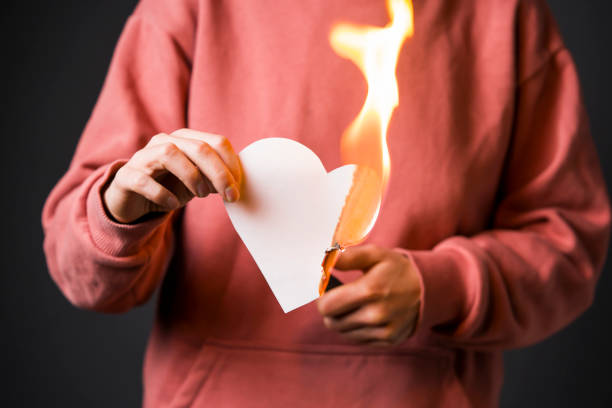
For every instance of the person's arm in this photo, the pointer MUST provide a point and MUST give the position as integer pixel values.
(99, 263)
(536, 269)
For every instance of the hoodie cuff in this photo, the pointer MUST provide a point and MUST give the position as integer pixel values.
(111, 237)
(442, 293)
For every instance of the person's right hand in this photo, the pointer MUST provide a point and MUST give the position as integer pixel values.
(169, 171)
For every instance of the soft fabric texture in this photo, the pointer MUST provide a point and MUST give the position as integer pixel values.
(496, 194)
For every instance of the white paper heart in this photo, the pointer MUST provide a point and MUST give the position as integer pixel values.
(287, 215)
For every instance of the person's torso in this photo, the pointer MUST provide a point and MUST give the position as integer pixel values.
(266, 69)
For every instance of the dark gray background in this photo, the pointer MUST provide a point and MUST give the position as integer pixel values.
(54, 59)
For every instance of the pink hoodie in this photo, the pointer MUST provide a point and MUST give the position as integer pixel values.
(495, 192)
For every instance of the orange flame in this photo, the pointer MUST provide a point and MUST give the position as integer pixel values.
(375, 51)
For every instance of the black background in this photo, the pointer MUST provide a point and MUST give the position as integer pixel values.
(54, 60)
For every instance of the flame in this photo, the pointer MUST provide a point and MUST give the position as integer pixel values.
(375, 51)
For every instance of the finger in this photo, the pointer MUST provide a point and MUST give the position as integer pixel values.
(373, 314)
(135, 180)
(383, 335)
(169, 157)
(176, 186)
(405, 332)
(222, 146)
(360, 257)
(346, 298)
(208, 161)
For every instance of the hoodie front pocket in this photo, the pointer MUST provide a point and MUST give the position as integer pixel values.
(229, 374)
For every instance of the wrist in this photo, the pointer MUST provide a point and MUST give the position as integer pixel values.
(108, 235)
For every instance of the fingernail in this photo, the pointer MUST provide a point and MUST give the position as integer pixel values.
(202, 189)
(231, 193)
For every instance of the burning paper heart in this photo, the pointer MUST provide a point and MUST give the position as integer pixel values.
(287, 215)
(291, 210)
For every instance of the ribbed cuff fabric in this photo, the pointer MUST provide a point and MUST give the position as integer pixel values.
(442, 286)
(109, 236)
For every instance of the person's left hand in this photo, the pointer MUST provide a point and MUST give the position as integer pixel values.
(382, 306)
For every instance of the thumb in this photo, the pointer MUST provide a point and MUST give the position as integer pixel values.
(360, 257)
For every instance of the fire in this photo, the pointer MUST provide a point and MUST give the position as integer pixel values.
(375, 51)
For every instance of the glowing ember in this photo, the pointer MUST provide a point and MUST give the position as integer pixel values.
(375, 50)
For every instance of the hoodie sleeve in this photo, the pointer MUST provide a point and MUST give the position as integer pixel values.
(536, 269)
(97, 263)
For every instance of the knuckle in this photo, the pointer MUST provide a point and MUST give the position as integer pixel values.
(138, 156)
(120, 174)
(121, 177)
(158, 138)
(158, 196)
(168, 150)
(222, 177)
(367, 292)
(218, 175)
(203, 149)
(370, 246)
(371, 292)
(139, 180)
(375, 315)
(376, 251)
(222, 142)
(179, 131)
(141, 158)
